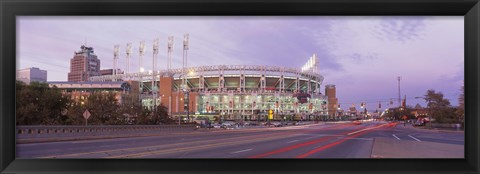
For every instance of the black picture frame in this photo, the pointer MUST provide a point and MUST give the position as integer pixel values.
(9, 9)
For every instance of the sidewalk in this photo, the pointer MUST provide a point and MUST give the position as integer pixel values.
(451, 130)
(392, 148)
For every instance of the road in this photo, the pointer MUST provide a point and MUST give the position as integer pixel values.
(331, 140)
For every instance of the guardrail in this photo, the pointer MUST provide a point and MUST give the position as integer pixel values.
(25, 132)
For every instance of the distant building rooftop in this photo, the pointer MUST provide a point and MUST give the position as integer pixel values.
(65, 82)
(90, 85)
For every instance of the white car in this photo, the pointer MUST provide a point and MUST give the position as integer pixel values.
(227, 124)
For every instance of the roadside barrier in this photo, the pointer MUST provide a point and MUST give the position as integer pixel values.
(24, 132)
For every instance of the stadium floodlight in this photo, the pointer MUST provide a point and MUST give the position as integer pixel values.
(156, 45)
(129, 52)
(116, 50)
(141, 49)
(170, 50)
(129, 48)
(170, 43)
(185, 41)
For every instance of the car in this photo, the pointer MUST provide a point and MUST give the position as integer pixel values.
(357, 122)
(216, 125)
(418, 123)
(227, 124)
(299, 123)
(277, 124)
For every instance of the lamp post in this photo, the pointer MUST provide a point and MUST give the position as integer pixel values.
(428, 111)
(186, 100)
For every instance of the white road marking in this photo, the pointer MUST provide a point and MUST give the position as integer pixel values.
(242, 151)
(395, 136)
(414, 138)
(369, 139)
(292, 141)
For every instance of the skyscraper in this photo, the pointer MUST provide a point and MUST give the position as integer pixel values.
(83, 65)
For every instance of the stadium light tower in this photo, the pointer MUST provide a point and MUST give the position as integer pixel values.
(141, 50)
(129, 52)
(170, 51)
(156, 45)
(185, 49)
(184, 84)
(116, 50)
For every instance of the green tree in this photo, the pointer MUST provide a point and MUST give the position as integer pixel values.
(75, 114)
(439, 108)
(144, 117)
(461, 106)
(37, 103)
(131, 108)
(161, 116)
(103, 107)
(154, 117)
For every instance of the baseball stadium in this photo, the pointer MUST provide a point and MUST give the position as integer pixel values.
(230, 92)
(233, 92)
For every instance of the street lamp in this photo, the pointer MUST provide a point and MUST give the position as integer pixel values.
(186, 91)
(428, 111)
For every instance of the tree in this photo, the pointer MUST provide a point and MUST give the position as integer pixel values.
(439, 108)
(104, 108)
(161, 115)
(37, 103)
(154, 117)
(75, 114)
(144, 117)
(130, 108)
(461, 106)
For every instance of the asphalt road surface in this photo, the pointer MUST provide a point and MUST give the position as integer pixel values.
(331, 140)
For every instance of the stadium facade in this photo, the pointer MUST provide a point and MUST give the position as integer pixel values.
(234, 92)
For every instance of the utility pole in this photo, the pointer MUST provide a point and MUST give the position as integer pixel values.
(399, 99)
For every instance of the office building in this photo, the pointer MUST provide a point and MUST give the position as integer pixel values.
(28, 75)
(83, 65)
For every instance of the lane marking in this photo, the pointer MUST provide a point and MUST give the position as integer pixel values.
(246, 150)
(281, 150)
(155, 149)
(292, 141)
(414, 138)
(356, 134)
(368, 139)
(396, 137)
(370, 128)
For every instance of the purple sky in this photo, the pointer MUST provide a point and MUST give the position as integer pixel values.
(362, 56)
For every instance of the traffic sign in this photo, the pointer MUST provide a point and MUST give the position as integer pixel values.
(86, 114)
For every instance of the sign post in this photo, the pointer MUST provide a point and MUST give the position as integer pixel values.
(86, 115)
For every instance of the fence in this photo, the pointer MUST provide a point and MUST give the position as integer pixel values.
(25, 132)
